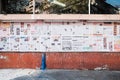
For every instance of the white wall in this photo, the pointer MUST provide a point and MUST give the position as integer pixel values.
(59, 37)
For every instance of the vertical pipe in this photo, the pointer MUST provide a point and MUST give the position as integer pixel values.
(89, 6)
(0, 6)
(33, 7)
(43, 64)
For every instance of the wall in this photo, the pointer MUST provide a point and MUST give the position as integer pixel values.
(20, 60)
(76, 36)
(84, 60)
(17, 51)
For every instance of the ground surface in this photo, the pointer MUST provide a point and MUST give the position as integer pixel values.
(30, 74)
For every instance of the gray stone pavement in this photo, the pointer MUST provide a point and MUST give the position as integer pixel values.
(72, 75)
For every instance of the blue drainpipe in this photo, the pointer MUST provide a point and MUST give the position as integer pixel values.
(43, 63)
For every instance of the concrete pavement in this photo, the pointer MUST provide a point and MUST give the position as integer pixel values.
(72, 75)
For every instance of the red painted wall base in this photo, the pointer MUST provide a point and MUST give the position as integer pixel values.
(84, 60)
(20, 60)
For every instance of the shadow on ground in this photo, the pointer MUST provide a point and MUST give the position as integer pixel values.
(72, 75)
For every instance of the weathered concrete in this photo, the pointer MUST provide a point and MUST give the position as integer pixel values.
(72, 75)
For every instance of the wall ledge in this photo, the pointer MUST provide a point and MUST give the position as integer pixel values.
(32, 17)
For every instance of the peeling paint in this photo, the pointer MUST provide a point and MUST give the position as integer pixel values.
(104, 67)
(3, 57)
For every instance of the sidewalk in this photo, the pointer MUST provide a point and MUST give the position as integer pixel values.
(71, 75)
(32, 74)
